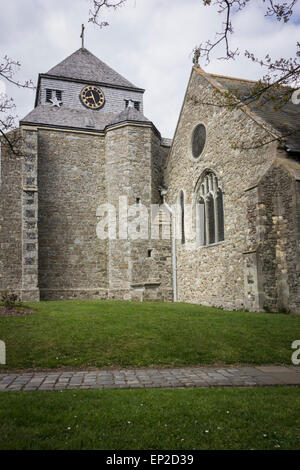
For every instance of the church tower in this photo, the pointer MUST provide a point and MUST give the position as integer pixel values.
(86, 144)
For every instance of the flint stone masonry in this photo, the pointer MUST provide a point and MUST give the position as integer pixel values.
(11, 218)
(132, 152)
(71, 175)
(72, 185)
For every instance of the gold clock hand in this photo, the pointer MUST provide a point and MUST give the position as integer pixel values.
(91, 95)
(94, 98)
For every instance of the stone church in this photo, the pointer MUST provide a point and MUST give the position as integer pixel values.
(229, 204)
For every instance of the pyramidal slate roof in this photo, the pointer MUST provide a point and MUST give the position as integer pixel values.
(85, 66)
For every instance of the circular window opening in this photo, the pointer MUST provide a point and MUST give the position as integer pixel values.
(198, 140)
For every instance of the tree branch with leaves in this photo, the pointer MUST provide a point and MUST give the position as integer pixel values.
(282, 75)
(282, 71)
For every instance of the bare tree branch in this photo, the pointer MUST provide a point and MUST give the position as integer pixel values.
(281, 9)
(8, 69)
(228, 8)
(283, 75)
(98, 5)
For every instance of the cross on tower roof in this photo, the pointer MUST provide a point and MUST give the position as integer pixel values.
(82, 35)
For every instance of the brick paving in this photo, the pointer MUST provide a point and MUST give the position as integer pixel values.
(188, 377)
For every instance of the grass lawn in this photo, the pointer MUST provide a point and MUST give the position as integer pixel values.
(261, 418)
(111, 333)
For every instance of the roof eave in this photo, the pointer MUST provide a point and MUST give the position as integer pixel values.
(61, 127)
(95, 82)
(92, 130)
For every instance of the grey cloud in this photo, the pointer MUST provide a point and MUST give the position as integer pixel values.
(148, 42)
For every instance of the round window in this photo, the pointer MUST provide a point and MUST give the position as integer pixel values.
(198, 140)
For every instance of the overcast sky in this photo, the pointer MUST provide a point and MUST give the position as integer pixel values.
(149, 42)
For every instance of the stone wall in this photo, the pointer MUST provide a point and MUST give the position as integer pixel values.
(11, 218)
(133, 170)
(49, 243)
(30, 210)
(18, 216)
(277, 253)
(71, 179)
(214, 274)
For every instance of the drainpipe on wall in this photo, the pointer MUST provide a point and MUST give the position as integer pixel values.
(163, 192)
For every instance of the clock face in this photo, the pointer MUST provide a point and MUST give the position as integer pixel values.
(92, 97)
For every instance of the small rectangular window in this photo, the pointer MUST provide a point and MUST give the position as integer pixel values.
(149, 253)
(136, 104)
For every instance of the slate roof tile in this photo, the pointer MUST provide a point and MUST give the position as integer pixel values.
(76, 118)
(85, 66)
(67, 117)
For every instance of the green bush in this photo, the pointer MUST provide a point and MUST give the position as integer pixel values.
(9, 300)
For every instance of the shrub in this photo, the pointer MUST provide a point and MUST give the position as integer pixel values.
(9, 300)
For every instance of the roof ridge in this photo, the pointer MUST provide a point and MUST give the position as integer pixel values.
(231, 78)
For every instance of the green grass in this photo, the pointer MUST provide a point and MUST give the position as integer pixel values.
(261, 418)
(111, 333)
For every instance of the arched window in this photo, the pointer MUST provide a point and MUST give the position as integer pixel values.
(210, 212)
(182, 228)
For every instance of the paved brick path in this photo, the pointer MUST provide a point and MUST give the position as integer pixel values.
(153, 378)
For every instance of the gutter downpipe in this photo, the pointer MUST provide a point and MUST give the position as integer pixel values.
(174, 260)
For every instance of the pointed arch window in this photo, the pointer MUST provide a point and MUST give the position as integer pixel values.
(210, 210)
